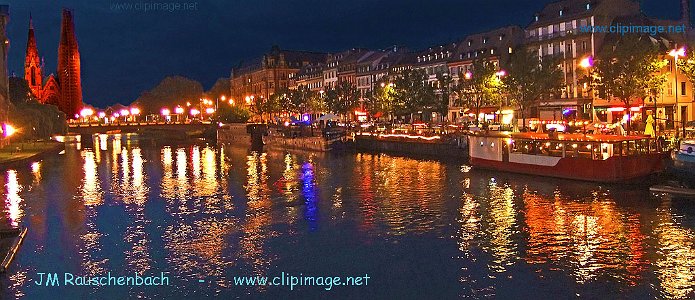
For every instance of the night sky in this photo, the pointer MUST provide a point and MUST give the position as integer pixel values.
(125, 52)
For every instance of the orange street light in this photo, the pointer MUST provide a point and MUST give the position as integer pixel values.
(586, 62)
(9, 130)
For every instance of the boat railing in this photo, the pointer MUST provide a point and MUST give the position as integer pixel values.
(595, 150)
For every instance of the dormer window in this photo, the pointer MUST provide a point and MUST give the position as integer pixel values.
(501, 37)
(561, 11)
(484, 40)
(588, 6)
(535, 18)
(470, 43)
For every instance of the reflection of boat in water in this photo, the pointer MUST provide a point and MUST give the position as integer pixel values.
(10, 241)
(680, 191)
(684, 159)
(601, 158)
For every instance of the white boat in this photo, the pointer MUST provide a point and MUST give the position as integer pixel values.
(684, 158)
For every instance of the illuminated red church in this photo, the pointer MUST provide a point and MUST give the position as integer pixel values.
(65, 90)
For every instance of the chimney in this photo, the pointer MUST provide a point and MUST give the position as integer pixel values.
(685, 12)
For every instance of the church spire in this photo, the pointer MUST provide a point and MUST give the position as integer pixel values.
(69, 67)
(32, 63)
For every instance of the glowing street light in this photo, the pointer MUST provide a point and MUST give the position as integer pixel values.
(9, 130)
(194, 112)
(223, 98)
(501, 73)
(134, 111)
(677, 53)
(178, 110)
(102, 114)
(209, 110)
(468, 75)
(86, 112)
(124, 112)
(165, 112)
(586, 62)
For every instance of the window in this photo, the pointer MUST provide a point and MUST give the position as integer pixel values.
(510, 50)
(492, 51)
(470, 43)
(588, 6)
(535, 18)
(484, 40)
(682, 88)
(561, 13)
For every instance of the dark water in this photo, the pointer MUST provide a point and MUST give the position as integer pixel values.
(420, 229)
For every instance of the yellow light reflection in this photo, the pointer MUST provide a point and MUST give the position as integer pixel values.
(13, 200)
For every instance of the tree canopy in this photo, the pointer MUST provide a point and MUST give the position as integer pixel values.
(171, 91)
(33, 119)
(530, 79)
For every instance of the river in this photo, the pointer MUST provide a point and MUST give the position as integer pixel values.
(420, 229)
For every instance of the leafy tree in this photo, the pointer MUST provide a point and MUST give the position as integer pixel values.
(412, 93)
(222, 87)
(34, 120)
(232, 114)
(626, 69)
(381, 98)
(482, 89)
(441, 105)
(686, 66)
(342, 99)
(172, 91)
(530, 79)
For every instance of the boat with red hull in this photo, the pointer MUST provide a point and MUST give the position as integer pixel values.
(600, 158)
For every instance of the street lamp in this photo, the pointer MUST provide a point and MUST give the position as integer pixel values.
(9, 130)
(586, 62)
(677, 53)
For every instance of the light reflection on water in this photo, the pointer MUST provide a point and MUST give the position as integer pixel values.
(201, 212)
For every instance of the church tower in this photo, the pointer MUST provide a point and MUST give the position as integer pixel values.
(32, 64)
(69, 68)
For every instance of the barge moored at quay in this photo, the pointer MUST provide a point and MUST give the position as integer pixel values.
(599, 158)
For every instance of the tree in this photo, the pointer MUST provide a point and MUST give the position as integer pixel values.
(342, 99)
(232, 113)
(221, 88)
(441, 106)
(412, 92)
(530, 78)
(381, 98)
(33, 119)
(626, 69)
(482, 87)
(172, 91)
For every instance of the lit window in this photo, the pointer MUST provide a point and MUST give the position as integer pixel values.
(588, 6)
(492, 51)
(536, 18)
(470, 43)
(561, 13)
(510, 50)
(484, 40)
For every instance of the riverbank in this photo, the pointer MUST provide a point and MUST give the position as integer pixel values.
(22, 152)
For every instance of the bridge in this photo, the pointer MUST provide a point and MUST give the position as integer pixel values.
(132, 127)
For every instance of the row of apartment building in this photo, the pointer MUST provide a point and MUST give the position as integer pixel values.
(555, 30)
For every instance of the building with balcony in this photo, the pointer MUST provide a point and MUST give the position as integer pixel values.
(563, 30)
(495, 46)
